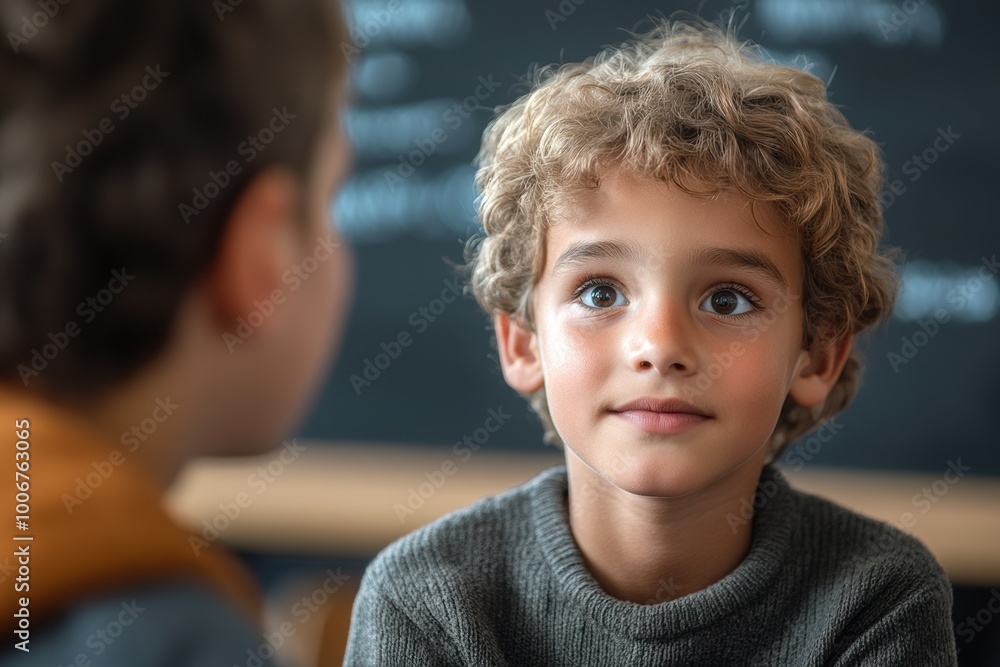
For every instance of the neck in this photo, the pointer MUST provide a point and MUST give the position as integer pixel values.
(160, 417)
(145, 424)
(650, 550)
(167, 413)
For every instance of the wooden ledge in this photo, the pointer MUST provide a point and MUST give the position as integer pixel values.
(353, 500)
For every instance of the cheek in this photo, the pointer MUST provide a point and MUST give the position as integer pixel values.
(576, 362)
(330, 302)
(757, 384)
(320, 305)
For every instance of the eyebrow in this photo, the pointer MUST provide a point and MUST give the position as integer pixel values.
(582, 252)
(742, 258)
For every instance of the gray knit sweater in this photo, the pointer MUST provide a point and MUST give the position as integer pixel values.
(502, 583)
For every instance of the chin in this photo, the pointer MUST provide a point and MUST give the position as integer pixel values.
(656, 484)
(675, 478)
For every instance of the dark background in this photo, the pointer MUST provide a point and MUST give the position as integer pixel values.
(906, 77)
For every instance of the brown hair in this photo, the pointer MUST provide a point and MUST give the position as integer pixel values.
(688, 103)
(113, 114)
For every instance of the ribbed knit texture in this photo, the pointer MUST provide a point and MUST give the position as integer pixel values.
(503, 583)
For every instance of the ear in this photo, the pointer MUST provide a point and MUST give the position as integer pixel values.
(519, 358)
(819, 370)
(257, 244)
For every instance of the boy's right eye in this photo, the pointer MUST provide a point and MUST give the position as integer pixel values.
(601, 295)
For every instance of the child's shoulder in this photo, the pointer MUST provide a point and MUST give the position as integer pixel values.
(470, 544)
(444, 593)
(479, 581)
(850, 545)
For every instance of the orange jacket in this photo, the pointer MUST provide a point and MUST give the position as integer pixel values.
(94, 527)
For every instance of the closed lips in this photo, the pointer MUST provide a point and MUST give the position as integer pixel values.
(668, 405)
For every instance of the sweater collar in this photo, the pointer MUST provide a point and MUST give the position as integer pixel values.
(773, 524)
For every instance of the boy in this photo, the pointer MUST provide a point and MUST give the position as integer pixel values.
(165, 172)
(681, 242)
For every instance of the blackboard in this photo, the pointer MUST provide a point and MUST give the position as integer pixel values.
(920, 75)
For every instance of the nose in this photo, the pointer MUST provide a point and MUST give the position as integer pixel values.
(662, 339)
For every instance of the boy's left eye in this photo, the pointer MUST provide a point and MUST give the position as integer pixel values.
(727, 302)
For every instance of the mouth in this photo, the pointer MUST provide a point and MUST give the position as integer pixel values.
(662, 416)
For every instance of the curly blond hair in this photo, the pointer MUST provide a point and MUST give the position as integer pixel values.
(689, 103)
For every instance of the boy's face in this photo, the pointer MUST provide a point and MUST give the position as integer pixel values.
(651, 294)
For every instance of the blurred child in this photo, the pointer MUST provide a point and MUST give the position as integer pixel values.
(681, 244)
(170, 287)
